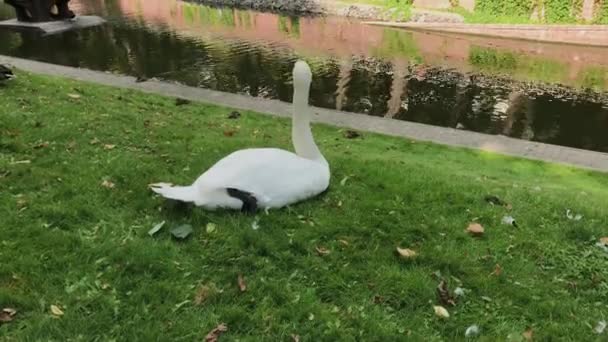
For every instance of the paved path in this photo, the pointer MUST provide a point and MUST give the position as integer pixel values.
(441, 135)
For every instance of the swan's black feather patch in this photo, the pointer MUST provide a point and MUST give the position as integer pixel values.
(250, 203)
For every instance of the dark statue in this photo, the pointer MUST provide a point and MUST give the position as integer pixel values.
(34, 11)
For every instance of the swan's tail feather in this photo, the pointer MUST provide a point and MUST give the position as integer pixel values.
(180, 193)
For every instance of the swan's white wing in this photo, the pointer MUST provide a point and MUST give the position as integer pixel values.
(276, 177)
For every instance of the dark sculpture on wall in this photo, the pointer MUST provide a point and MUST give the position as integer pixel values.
(34, 11)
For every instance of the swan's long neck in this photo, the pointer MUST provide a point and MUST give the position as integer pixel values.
(301, 134)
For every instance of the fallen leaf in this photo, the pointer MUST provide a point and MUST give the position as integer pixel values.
(475, 229)
(576, 217)
(55, 310)
(202, 293)
(108, 147)
(528, 334)
(509, 221)
(604, 241)
(229, 133)
(600, 327)
(234, 115)
(156, 228)
(494, 200)
(295, 338)
(210, 227)
(242, 285)
(497, 270)
(344, 242)
(107, 184)
(41, 145)
(406, 253)
(7, 314)
(182, 232)
(350, 134)
(322, 251)
(180, 101)
(472, 331)
(445, 297)
(74, 96)
(94, 141)
(440, 311)
(214, 334)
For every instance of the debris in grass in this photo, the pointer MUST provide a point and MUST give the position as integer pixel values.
(472, 331)
(570, 216)
(214, 334)
(242, 285)
(181, 101)
(156, 228)
(497, 270)
(509, 221)
(350, 134)
(229, 133)
(295, 338)
(445, 297)
(7, 315)
(74, 96)
(255, 225)
(56, 311)
(107, 184)
(234, 115)
(202, 293)
(343, 181)
(475, 229)
(322, 251)
(440, 311)
(210, 228)
(528, 334)
(108, 146)
(459, 292)
(600, 327)
(182, 232)
(494, 200)
(406, 253)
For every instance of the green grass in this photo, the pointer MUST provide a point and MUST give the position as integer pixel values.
(68, 241)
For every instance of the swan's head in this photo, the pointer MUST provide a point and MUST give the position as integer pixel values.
(302, 76)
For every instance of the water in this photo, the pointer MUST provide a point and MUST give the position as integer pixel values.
(486, 85)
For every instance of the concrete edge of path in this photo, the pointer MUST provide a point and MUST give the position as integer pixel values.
(441, 135)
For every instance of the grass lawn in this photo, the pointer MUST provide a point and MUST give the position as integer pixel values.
(75, 161)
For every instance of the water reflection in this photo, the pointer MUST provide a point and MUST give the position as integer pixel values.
(434, 79)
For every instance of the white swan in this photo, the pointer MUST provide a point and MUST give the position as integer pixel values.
(263, 177)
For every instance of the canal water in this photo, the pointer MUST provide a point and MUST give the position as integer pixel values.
(541, 92)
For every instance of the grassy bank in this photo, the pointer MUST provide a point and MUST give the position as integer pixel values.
(75, 161)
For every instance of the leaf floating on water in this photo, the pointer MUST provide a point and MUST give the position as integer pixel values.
(214, 334)
(7, 315)
(472, 331)
(182, 232)
(475, 229)
(55, 310)
(242, 285)
(600, 327)
(210, 228)
(156, 228)
(440, 311)
(406, 253)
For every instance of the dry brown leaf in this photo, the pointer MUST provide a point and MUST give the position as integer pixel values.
(202, 293)
(94, 141)
(74, 96)
(214, 334)
(108, 147)
(440, 311)
(295, 338)
(107, 184)
(406, 253)
(475, 229)
(604, 241)
(528, 334)
(445, 297)
(7, 314)
(55, 310)
(229, 133)
(242, 285)
(497, 270)
(344, 242)
(322, 251)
